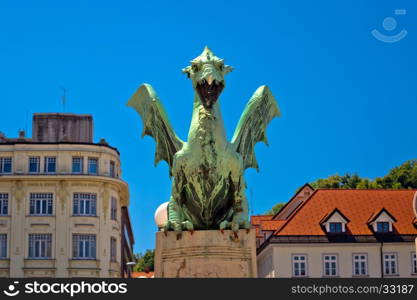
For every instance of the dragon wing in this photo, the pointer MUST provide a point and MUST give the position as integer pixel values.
(155, 123)
(251, 129)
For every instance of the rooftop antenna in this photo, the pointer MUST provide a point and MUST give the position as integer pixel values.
(64, 98)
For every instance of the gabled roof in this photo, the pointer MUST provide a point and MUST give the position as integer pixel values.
(356, 205)
(256, 220)
(306, 185)
(329, 215)
(271, 225)
(377, 214)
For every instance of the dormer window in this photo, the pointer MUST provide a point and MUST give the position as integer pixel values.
(382, 222)
(334, 222)
(335, 227)
(382, 227)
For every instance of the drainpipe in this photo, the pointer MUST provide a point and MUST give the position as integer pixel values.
(381, 260)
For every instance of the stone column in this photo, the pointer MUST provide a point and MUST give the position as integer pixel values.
(17, 234)
(206, 254)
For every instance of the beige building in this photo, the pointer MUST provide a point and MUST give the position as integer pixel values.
(339, 233)
(61, 202)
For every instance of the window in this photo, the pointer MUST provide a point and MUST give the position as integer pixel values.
(93, 166)
(360, 264)
(34, 164)
(50, 164)
(84, 246)
(3, 245)
(84, 204)
(77, 165)
(40, 245)
(335, 227)
(112, 171)
(413, 263)
(113, 250)
(390, 263)
(4, 204)
(382, 227)
(299, 265)
(113, 209)
(5, 165)
(40, 204)
(330, 265)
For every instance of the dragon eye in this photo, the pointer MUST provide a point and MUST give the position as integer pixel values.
(221, 67)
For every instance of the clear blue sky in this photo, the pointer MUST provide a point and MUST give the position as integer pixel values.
(348, 100)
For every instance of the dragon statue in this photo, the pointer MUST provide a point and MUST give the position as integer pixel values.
(208, 186)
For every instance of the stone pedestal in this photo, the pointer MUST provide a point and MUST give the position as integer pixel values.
(206, 254)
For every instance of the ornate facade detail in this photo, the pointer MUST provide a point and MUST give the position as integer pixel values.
(18, 193)
(105, 199)
(63, 194)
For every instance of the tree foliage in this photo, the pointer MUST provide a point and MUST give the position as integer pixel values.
(144, 262)
(401, 177)
(275, 209)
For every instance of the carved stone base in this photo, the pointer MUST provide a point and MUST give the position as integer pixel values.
(206, 254)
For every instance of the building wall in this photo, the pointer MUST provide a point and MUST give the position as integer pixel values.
(281, 257)
(60, 127)
(18, 224)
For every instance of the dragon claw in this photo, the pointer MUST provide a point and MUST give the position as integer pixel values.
(188, 226)
(223, 226)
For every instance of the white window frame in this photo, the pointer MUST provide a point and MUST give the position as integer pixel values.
(48, 161)
(359, 261)
(385, 222)
(81, 200)
(81, 163)
(85, 239)
(89, 160)
(2, 164)
(390, 259)
(413, 263)
(294, 262)
(35, 160)
(42, 243)
(46, 201)
(3, 245)
(341, 227)
(325, 261)
(4, 204)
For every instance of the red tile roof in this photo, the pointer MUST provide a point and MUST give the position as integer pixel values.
(142, 274)
(271, 225)
(357, 205)
(256, 220)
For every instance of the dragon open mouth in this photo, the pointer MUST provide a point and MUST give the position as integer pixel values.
(209, 93)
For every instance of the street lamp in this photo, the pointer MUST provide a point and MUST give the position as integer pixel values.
(130, 265)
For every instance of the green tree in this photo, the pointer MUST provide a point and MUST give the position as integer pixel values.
(144, 262)
(275, 209)
(401, 177)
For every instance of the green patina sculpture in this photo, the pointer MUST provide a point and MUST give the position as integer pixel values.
(208, 187)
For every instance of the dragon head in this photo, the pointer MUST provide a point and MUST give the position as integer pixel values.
(207, 74)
